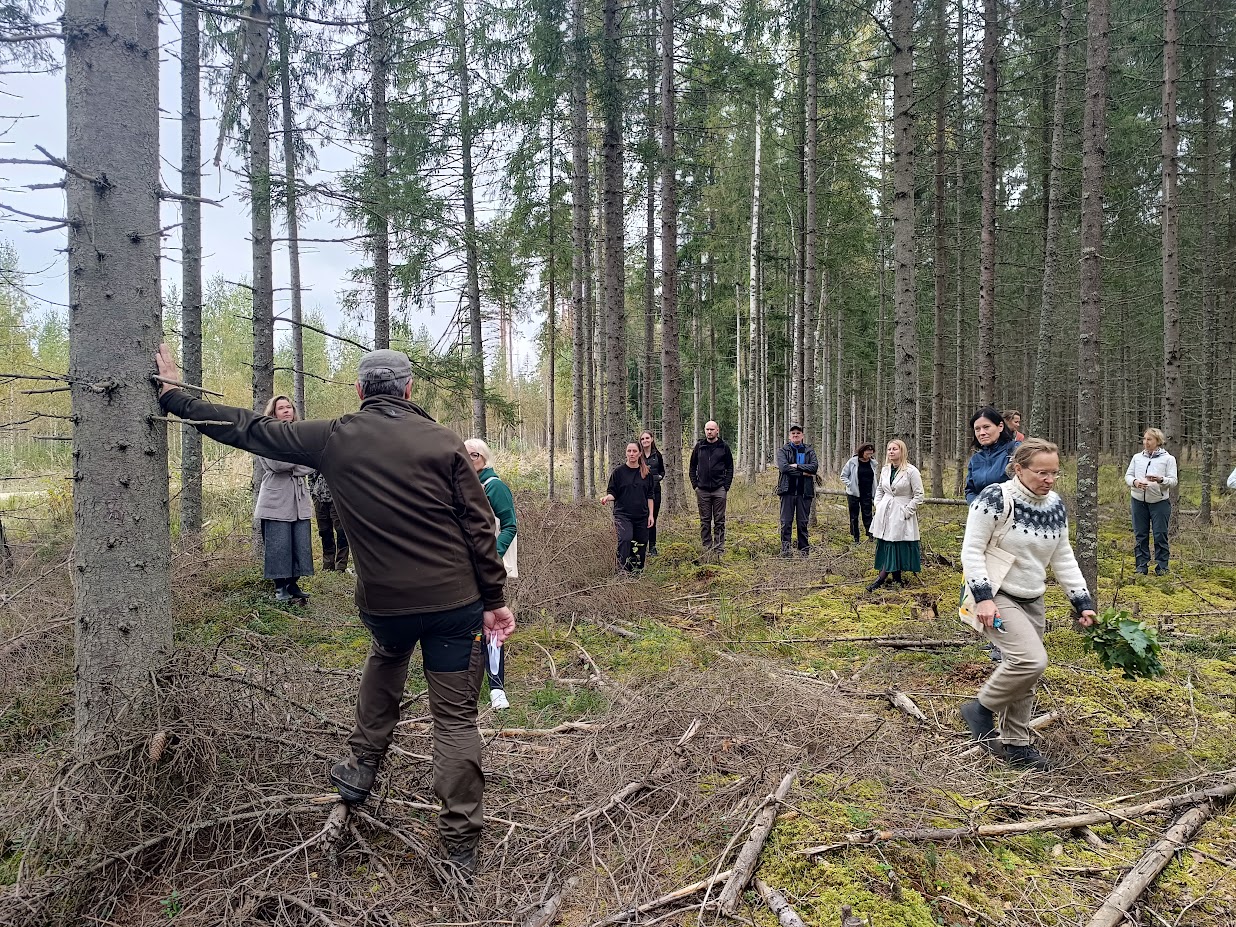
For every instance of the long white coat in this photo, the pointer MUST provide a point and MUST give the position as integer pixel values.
(896, 504)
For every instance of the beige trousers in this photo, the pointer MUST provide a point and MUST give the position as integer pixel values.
(1009, 691)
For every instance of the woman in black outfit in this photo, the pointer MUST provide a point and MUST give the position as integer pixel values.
(630, 490)
(656, 468)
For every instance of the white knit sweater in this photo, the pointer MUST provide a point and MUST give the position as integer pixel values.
(1039, 537)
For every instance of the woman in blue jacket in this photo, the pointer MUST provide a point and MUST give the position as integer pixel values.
(994, 445)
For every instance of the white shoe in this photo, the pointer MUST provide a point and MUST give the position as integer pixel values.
(497, 700)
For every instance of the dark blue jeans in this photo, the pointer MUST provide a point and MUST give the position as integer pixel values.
(1151, 517)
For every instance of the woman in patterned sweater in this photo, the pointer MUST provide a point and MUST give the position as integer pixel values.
(1013, 616)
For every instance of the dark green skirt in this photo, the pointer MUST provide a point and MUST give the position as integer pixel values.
(898, 555)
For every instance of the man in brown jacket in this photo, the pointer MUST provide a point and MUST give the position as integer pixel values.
(427, 568)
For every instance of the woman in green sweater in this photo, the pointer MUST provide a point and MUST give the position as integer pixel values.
(503, 504)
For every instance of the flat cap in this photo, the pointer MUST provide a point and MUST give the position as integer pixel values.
(385, 364)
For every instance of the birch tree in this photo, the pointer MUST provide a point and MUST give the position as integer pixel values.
(191, 259)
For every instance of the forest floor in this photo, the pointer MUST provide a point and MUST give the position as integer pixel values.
(651, 719)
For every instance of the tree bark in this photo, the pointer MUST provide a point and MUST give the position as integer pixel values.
(987, 233)
(939, 264)
(673, 493)
(753, 299)
(1037, 422)
(122, 597)
(579, 244)
(1094, 140)
(1210, 309)
(551, 322)
(905, 308)
(191, 260)
(650, 230)
(810, 224)
(379, 127)
(614, 253)
(257, 60)
(290, 200)
(476, 355)
(1173, 382)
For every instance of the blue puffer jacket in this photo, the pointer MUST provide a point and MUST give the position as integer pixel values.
(988, 465)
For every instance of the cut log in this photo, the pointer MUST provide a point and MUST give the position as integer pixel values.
(777, 903)
(1063, 822)
(1037, 724)
(749, 855)
(686, 891)
(548, 912)
(905, 705)
(1116, 906)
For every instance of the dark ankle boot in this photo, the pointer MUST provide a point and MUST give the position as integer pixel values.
(282, 593)
(353, 778)
(878, 583)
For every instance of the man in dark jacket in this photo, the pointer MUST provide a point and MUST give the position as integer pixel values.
(797, 464)
(427, 567)
(711, 472)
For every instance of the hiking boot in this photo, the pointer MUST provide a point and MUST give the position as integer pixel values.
(872, 587)
(463, 858)
(982, 726)
(296, 591)
(1025, 756)
(653, 552)
(283, 596)
(498, 700)
(353, 778)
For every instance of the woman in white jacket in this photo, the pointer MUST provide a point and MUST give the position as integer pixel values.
(895, 525)
(1151, 474)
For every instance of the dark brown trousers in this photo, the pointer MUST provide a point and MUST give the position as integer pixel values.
(453, 654)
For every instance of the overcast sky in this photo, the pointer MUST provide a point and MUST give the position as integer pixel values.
(32, 112)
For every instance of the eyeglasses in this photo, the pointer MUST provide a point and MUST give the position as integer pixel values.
(1046, 474)
(474, 455)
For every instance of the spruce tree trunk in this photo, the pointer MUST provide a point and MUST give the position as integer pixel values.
(290, 201)
(379, 128)
(1210, 309)
(1094, 136)
(122, 598)
(650, 230)
(905, 334)
(1037, 422)
(257, 70)
(753, 301)
(614, 252)
(579, 247)
(987, 230)
(939, 267)
(476, 354)
(1173, 382)
(191, 260)
(811, 167)
(551, 321)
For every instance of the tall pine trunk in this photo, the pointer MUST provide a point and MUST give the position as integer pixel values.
(811, 169)
(1094, 138)
(191, 260)
(476, 356)
(121, 590)
(290, 203)
(1037, 422)
(650, 229)
(551, 322)
(905, 309)
(987, 227)
(753, 303)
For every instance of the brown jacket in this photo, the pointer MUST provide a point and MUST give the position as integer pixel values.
(414, 512)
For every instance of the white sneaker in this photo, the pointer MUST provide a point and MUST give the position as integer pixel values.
(497, 700)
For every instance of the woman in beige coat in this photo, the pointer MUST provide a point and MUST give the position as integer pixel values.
(284, 510)
(898, 494)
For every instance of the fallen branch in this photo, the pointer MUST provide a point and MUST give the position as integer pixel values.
(905, 705)
(677, 895)
(548, 912)
(1037, 724)
(1116, 906)
(896, 643)
(1064, 822)
(786, 915)
(749, 855)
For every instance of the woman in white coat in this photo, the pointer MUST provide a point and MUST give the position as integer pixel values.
(895, 525)
(1150, 478)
